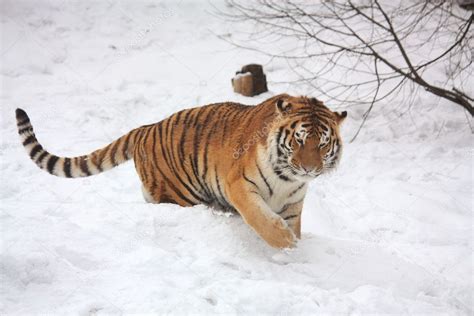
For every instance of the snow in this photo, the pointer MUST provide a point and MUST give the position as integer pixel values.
(390, 231)
(241, 75)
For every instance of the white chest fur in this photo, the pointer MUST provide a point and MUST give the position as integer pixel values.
(277, 192)
(285, 193)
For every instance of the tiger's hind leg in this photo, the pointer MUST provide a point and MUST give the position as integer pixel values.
(160, 194)
(148, 197)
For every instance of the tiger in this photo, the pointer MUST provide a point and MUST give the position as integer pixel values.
(256, 161)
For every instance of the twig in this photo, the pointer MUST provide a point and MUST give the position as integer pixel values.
(366, 114)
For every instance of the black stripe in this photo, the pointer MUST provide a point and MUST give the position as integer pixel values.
(25, 129)
(113, 152)
(84, 167)
(154, 159)
(174, 162)
(23, 122)
(282, 176)
(269, 116)
(153, 186)
(51, 163)
(290, 217)
(41, 157)
(35, 150)
(30, 139)
(206, 153)
(180, 194)
(280, 144)
(287, 206)
(244, 114)
(303, 112)
(229, 120)
(195, 154)
(296, 190)
(225, 125)
(141, 172)
(153, 144)
(178, 118)
(199, 180)
(248, 180)
(221, 194)
(196, 118)
(167, 199)
(144, 137)
(174, 157)
(125, 146)
(182, 141)
(237, 114)
(287, 133)
(279, 152)
(98, 165)
(142, 157)
(284, 209)
(196, 142)
(67, 167)
(280, 131)
(169, 133)
(191, 182)
(134, 139)
(265, 180)
(323, 115)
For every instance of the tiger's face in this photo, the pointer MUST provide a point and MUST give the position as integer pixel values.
(307, 138)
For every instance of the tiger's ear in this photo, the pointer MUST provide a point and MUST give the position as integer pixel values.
(283, 106)
(340, 117)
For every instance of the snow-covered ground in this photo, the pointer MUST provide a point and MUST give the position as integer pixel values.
(390, 232)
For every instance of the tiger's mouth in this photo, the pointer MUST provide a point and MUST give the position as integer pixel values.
(291, 171)
(306, 175)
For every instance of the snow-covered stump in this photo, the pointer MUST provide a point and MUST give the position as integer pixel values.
(250, 80)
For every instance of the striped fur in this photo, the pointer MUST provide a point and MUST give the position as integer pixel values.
(256, 160)
(96, 162)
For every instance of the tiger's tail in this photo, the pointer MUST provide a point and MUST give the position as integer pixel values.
(96, 162)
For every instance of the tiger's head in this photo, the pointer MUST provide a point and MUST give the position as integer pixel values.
(306, 136)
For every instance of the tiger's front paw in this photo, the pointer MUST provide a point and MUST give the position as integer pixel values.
(280, 236)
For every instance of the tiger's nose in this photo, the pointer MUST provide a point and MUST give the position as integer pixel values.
(306, 169)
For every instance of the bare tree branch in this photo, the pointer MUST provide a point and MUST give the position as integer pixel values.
(405, 42)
